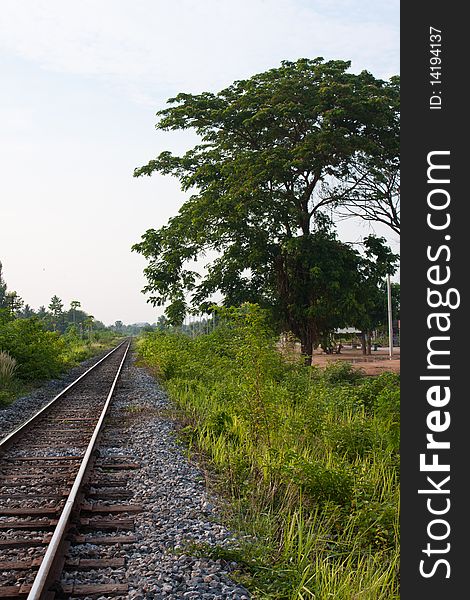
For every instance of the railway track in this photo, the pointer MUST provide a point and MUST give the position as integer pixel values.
(59, 500)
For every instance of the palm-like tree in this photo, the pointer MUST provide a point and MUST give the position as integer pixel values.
(73, 307)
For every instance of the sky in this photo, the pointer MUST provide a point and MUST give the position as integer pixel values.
(80, 85)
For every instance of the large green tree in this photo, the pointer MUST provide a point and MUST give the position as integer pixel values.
(267, 145)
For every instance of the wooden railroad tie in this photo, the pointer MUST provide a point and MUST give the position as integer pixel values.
(108, 589)
(48, 524)
(79, 564)
(110, 508)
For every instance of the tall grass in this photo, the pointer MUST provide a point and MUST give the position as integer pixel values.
(8, 367)
(309, 458)
(8, 384)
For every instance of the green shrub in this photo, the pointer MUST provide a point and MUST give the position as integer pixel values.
(381, 392)
(352, 439)
(325, 483)
(376, 525)
(340, 372)
(39, 353)
(220, 422)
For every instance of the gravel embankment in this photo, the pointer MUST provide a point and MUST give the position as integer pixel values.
(177, 509)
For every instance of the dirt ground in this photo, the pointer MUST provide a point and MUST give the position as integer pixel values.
(378, 362)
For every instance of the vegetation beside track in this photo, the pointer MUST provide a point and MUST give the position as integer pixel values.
(31, 354)
(38, 345)
(308, 458)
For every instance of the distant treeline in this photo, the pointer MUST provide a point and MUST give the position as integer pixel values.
(36, 345)
(57, 317)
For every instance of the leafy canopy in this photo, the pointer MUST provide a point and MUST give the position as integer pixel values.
(267, 144)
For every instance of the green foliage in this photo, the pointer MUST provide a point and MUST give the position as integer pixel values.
(268, 145)
(324, 483)
(353, 438)
(371, 188)
(37, 351)
(5, 316)
(30, 353)
(382, 393)
(340, 372)
(308, 457)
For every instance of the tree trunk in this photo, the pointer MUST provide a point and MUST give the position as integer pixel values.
(363, 343)
(369, 343)
(307, 350)
(307, 341)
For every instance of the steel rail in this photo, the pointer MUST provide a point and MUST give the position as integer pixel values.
(15, 432)
(41, 579)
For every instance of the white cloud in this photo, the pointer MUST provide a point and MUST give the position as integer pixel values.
(188, 44)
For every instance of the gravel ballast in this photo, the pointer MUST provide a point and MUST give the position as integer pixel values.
(177, 509)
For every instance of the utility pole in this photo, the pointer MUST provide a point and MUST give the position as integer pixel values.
(390, 323)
